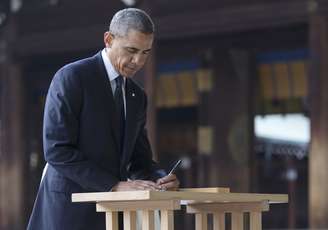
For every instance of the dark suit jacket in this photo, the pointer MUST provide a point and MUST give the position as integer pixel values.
(81, 145)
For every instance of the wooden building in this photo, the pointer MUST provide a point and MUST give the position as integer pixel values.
(215, 65)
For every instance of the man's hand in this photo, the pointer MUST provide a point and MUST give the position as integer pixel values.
(169, 182)
(136, 185)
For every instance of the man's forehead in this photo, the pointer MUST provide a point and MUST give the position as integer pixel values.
(138, 39)
(136, 33)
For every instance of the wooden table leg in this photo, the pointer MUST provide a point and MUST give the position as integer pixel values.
(111, 221)
(237, 221)
(201, 221)
(219, 221)
(255, 220)
(148, 220)
(130, 220)
(167, 220)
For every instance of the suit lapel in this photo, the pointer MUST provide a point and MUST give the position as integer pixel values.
(110, 99)
(131, 97)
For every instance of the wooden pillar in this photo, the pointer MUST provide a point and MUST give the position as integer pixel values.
(148, 222)
(167, 220)
(218, 221)
(148, 79)
(149, 84)
(12, 140)
(130, 218)
(255, 220)
(201, 221)
(111, 220)
(227, 112)
(292, 191)
(237, 221)
(318, 78)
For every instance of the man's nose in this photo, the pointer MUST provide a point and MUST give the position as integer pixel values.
(137, 59)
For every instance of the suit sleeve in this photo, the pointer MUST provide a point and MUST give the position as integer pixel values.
(61, 134)
(142, 165)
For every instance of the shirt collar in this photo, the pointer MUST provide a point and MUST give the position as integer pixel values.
(111, 72)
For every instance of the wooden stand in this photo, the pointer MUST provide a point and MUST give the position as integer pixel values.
(201, 202)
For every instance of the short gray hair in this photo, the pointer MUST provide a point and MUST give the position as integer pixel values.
(131, 18)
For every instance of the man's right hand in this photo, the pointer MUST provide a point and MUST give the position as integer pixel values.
(135, 185)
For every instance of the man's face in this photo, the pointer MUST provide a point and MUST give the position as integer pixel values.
(128, 54)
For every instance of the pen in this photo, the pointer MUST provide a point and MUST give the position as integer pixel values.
(174, 167)
(172, 171)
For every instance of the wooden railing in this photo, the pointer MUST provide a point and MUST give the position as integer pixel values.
(200, 202)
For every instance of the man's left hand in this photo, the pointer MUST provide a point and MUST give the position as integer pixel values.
(169, 182)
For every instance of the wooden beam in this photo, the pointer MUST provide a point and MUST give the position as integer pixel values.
(219, 20)
(138, 205)
(173, 195)
(228, 207)
(210, 189)
(58, 17)
(233, 19)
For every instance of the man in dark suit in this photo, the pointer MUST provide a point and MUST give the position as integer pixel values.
(94, 132)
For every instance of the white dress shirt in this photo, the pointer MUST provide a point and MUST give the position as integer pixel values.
(112, 75)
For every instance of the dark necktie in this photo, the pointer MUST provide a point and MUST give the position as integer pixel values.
(119, 102)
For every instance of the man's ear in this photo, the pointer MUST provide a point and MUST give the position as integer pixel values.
(108, 39)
